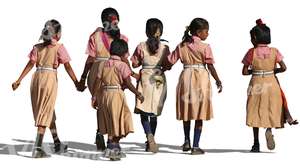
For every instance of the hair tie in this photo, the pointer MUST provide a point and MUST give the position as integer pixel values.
(113, 18)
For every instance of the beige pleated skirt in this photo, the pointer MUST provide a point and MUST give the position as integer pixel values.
(115, 116)
(43, 96)
(193, 96)
(264, 104)
(93, 75)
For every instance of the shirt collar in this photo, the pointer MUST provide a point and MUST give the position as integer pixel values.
(262, 45)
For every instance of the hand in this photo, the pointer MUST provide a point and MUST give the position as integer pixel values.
(140, 97)
(137, 76)
(15, 85)
(219, 86)
(94, 103)
(81, 85)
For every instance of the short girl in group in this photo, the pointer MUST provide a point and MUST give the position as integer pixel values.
(266, 104)
(108, 95)
(46, 57)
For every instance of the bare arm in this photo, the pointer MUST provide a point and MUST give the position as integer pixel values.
(133, 90)
(213, 72)
(281, 69)
(88, 64)
(95, 89)
(71, 73)
(246, 70)
(27, 69)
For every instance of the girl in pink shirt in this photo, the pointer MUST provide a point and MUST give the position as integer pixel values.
(266, 100)
(193, 94)
(46, 56)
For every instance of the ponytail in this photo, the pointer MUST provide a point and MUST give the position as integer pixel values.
(187, 37)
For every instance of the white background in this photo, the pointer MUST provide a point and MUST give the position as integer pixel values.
(226, 138)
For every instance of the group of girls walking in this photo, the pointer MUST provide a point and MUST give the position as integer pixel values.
(108, 73)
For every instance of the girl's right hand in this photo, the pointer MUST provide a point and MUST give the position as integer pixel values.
(15, 85)
(219, 86)
(140, 97)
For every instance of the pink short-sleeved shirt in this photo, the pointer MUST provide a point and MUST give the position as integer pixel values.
(91, 47)
(122, 67)
(195, 46)
(62, 55)
(262, 52)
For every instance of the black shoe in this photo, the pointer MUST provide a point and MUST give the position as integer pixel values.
(255, 148)
(197, 151)
(38, 152)
(186, 146)
(60, 148)
(147, 146)
(100, 144)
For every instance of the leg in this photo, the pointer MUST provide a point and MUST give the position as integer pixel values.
(270, 139)
(255, 147)
(186, 128)
(151, 145)
(38, 152)
(197, 134)
(153, 124)
(58, 146)
(100, 144)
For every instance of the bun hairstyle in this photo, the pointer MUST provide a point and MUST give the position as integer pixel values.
(108, 18)
(153, 41)
(51, 28)
(261, 33)
(197, 24)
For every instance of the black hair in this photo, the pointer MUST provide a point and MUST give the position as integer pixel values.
(152, 26)
(107, 16)
(119, 47)
(51, 28)
(197, 24)
(261, 33)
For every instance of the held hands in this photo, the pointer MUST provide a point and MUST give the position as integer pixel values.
(81, 85)
(15, 85)
(219, 86)
(140, 97)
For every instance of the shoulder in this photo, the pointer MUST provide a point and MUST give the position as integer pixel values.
(97, 31)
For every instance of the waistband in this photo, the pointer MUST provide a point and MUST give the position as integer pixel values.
(262, 73)
(151, 67)
(45, 69)
(101, 58)
(200, 66)
(111, 87)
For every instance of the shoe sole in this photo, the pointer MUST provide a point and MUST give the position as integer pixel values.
(270, 140)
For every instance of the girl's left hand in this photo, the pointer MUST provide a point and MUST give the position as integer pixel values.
(94, 103)
(15, 85)
(219, 86)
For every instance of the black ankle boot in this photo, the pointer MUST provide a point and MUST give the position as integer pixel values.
(60, 147)
(186, 146)
(255, 148)
(100, 144)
